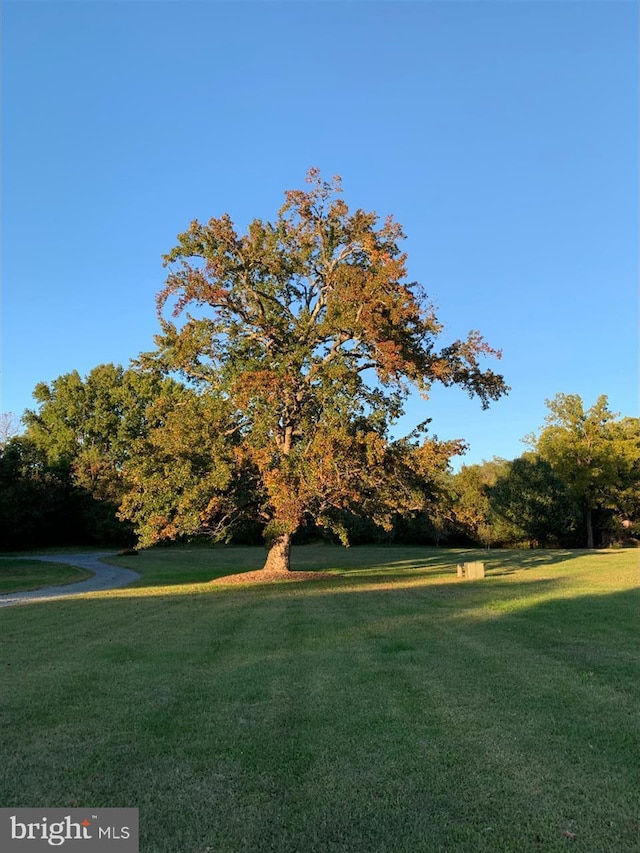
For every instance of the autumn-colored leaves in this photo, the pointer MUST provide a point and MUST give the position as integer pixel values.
(293, 320)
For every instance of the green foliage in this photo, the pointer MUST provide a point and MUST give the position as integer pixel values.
(61, 482)
(40, 505)
(532, 497)
(597, 457)
(33, 497)
(305, 332)
(189, 474)
(474, 515)
(583, 475)
(90, 424)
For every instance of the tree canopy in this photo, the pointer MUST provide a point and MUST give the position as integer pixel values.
(90, 423)
(532, 497)
(305, 339)
(61, 482)
(595, 454)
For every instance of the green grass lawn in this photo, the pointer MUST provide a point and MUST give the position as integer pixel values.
(392, 708)
(22, 575)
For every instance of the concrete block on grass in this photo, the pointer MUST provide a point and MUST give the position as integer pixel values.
(471, 571)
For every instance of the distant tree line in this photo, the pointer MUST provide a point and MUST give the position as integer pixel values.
(102, 456)
(62, 481)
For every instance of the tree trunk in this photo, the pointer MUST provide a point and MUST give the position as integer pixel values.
(589, 528)
(279, 556)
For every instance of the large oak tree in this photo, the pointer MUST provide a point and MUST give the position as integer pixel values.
(307, 337)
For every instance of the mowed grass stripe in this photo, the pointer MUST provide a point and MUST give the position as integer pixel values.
(324, 716)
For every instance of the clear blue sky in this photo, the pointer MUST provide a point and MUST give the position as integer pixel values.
(502, 135)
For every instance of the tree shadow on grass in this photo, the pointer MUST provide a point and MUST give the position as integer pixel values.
(393, 563)
(445, 561)
(508, 562)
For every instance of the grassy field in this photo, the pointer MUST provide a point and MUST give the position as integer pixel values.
(17, 575)
(392, 708)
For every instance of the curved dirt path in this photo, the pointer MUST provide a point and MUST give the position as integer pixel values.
(105, 577)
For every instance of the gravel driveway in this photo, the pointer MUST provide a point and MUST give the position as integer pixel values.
(105, 577)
